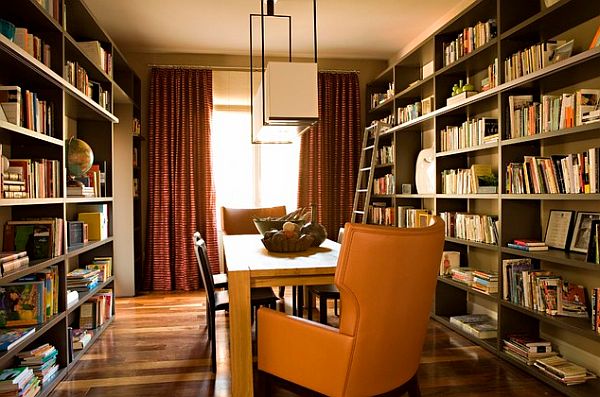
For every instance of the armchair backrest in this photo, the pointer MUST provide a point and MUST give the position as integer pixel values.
(386, 277)
(241, 220)
(205, 272)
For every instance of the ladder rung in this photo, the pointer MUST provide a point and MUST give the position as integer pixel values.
(365, 169)
(359, 212)
(361, 190)
(369, 148)
(371, 127)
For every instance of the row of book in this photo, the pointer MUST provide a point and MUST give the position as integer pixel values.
(595, 302)
(480, 280)
(384, 185)
(492, 79)
(477, 179)
(53, 7)
(535, 58)
(409, 112)
(541, 290)
(385, 155)
(30, 178)
(85, 279)
(469, 40)
(41, 238)
(380, 214)
(97, 310)
(77, 76)
(470, 133)
(25, 109)
(557, 174)
(378, 98)
(30, 300)
(11, 261)
(408, 216)
(101, 57)
(554, 112)
(479, 325)
(33, 45)
(473, 227)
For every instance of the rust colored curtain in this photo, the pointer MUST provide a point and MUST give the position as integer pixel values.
(181, 194)
(330, 151)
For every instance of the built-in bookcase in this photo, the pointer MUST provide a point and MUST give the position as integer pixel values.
(64, 25)
(517, 25)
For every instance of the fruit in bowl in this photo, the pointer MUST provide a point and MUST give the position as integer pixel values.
(288, 239)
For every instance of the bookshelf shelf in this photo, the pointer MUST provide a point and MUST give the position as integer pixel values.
(465, 287)
(491, 247)
(84, 296)
(488, 344)
(74, 115)
(97, 332)
(520, 215)
(382, 105)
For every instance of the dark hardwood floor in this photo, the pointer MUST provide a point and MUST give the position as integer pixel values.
(157, 347)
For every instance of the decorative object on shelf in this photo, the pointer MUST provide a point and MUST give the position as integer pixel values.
(406, 188)
(582, 231)
(7, 29)
(562, 52)
(425, 171)
(450, 260)
(461, 92)
(550, 3)
(313, 228)
(558, 230)
(277, 116)
(80, 159)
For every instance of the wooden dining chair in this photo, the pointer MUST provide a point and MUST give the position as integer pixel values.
(241, 221)
(377, 348)
(219, 300)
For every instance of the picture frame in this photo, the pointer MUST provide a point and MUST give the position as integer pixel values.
(562, 52)
(582, 231)
(593, 254)
(559, 229)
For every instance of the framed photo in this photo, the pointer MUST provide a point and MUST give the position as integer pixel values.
(582, 231)
(558, 230)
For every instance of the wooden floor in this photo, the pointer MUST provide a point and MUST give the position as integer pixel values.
(157, 347)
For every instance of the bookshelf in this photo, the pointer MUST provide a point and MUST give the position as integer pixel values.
(519, 215)
(90, 116)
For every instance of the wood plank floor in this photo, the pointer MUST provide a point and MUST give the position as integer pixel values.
(157, 347)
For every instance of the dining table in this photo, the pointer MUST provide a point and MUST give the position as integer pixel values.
(250, 264)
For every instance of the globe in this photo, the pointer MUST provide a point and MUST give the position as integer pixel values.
(80, 157)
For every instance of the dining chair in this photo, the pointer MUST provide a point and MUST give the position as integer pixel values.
(324, 293)
(383, 320)
(241, 221)
(219, 300)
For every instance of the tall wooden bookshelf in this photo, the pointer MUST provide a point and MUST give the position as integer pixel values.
(519, 24)
(75, 115)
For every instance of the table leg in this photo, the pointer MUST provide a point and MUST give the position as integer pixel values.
(240, 333)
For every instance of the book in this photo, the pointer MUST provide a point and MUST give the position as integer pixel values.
(9, 337)
(14, 379)
(527, 248)
(529, 242)
(22, 304)
(596, 40)
(450, 260)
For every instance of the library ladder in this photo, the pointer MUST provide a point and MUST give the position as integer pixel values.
(368, 158)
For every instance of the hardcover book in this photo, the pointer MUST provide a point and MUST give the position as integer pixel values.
(22, 304)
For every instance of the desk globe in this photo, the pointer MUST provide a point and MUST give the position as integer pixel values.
(80, 158)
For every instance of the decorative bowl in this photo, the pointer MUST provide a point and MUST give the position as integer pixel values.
(288, 244)
(263, 225)
(7, 29)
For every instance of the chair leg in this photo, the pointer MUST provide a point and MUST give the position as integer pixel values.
(413, 387)
(335, 308)
(300, 301)
(281, 291)
(294, 301)
(213, 343)
(309, 304)
(322, 310)
(263, 384)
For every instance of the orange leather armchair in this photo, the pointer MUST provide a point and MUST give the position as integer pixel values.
(383, 319)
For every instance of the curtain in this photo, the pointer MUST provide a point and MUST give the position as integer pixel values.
(330, 151)
(181, 194)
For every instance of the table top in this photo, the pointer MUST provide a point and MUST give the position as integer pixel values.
(245, 252)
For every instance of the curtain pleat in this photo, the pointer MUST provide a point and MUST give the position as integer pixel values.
(330, 151)
(181, 195)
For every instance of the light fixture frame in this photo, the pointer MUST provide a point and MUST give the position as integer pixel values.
(305, 123)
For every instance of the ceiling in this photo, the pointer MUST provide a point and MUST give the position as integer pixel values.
(365, 29)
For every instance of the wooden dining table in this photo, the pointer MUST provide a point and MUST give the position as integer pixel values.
(250, 265)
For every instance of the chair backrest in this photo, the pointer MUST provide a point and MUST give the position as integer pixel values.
(205, 272)
(241, 220)
(386, 277)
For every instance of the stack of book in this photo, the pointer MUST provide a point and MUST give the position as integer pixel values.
(80, 191)
(486, 282)
(82, 280)
(42, 360)
(462, 275)
(81, 337)
(526, 349)
(104, 264)
(479, 325)
(9, 337)
(13, 183)
(563, 370)
(19, 382)
(11, 261)
(525, 244)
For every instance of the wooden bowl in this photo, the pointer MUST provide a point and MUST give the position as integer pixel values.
(263, 225)
(288, 244)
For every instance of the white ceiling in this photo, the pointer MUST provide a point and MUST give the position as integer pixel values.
(365, 29)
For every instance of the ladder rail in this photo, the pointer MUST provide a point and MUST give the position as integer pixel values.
(365, 170)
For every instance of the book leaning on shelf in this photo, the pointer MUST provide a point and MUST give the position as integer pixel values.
(41, 238)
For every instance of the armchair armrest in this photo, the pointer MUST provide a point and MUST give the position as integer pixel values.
(304, 352)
